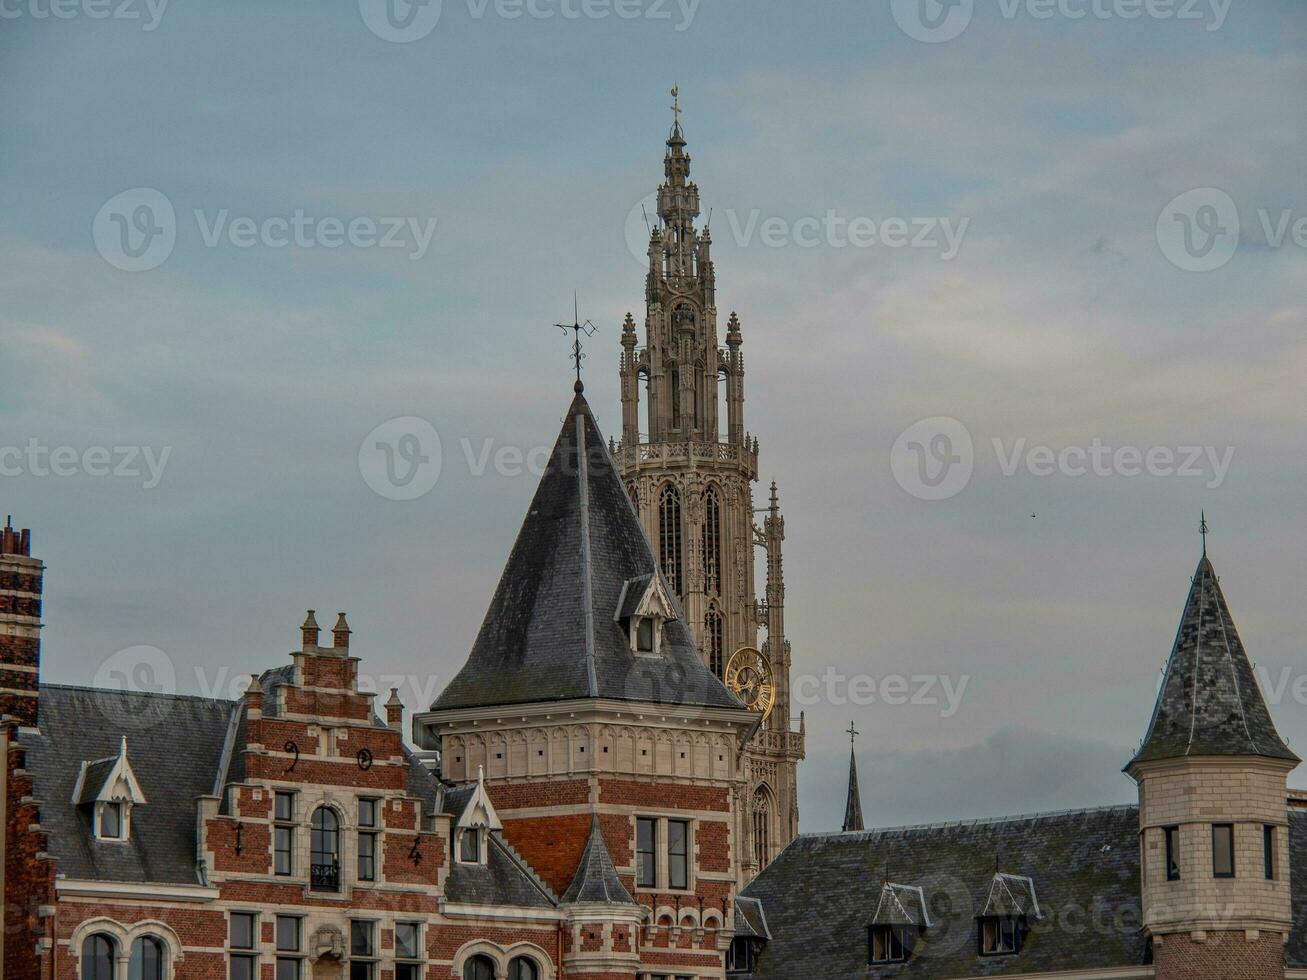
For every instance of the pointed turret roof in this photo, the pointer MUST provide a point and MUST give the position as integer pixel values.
(853, 806)
(553, 630)
(596, 878)
(1210, 704)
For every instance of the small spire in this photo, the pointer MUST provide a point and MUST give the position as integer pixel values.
(853, 805)
(676, 136)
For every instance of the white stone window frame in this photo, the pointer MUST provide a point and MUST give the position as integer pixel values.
(501, 956)
(123, 937)
(663, 853)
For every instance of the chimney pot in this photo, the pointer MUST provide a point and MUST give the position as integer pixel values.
(309, 632)
(340, 633)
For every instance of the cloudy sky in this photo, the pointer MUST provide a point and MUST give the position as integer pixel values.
(1044, 248)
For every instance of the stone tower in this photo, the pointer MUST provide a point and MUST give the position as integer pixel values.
(689, 467)
(1213, 810)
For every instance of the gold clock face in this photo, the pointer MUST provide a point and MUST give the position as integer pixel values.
(750, 678)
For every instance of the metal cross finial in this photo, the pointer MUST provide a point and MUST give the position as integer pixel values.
(852, 732)
(676, 104)
(1202, 529)
(577, 328)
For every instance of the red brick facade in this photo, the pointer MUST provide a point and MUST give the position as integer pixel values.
(1220, 956)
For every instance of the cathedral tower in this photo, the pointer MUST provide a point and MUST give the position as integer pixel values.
(689, 467)
(1213, 816)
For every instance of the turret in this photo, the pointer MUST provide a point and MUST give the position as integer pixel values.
(1213, 812)
(21, 578)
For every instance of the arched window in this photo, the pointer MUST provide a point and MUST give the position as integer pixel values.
(479, 968)
(761, 826)
(712, 640)
(634, 494)
(325, 849)
(669, 536)
(522, 968)
(147, 959)
(712, 542)
(98, 958)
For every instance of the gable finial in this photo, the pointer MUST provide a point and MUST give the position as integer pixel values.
(577, 328)
(1202, 529)
(852, 732)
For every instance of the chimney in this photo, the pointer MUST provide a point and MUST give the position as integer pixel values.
(20, 625)
(340, 633)
(309, 632)
(395, 711)
(254, 698)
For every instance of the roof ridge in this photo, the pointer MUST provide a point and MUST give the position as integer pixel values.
(147, 694)
(975, 822)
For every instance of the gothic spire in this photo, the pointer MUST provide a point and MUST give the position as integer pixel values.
(853, 805)
(1210, 704)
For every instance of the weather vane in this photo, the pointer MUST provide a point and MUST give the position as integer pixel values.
(676, 104)
(577, 328)
(852, 732)
(1202, 529)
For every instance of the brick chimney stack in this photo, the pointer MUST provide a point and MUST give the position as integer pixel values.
(309, 631)
(395, 711)
(20, 625)
(340, 634)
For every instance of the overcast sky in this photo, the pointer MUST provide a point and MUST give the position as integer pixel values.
(1045, 290)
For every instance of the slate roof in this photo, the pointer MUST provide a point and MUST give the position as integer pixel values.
(93, 781)
(1295, 950)
(750, 919)
(175, 746)
(822, 891)
(505, 879)
(596, 879)
(1210, 703)
(550, 632)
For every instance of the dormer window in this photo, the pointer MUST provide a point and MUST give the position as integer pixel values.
(106, 791)
(1002, 935)
(644, 636)
(643, 609)
(469, 848)
(111, 821)
(891, 944)
(1002, 926)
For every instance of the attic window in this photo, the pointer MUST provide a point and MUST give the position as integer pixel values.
(111, 821)
(469, 851)
(890, 944)
(1001, 935)
(644, 636)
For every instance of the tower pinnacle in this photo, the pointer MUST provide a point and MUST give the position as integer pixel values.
(853, 805)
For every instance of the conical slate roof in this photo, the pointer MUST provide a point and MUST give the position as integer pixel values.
(553, 630)
(853, 806)
(1210, 703)
(596, 878)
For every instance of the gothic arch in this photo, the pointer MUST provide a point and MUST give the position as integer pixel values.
(123, 936)
(762, 811)
(670, 543)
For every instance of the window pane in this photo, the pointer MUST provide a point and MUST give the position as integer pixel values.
(367, 857)
(1223, 851)
(242, 930)
(97, 958)
(646, 845)
(242, 968)
(288, 934)
(678, 841)
(522, 968)
(283, 849)
(288, 969)
(1268, 851)
(470, 845)
(479, 968)
(361, 971)
(367, 813)
(284, 806)
(406, 940)
(147, 960)
(1172, 853)
(408, 971)
(110, 820)
(360, 938)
